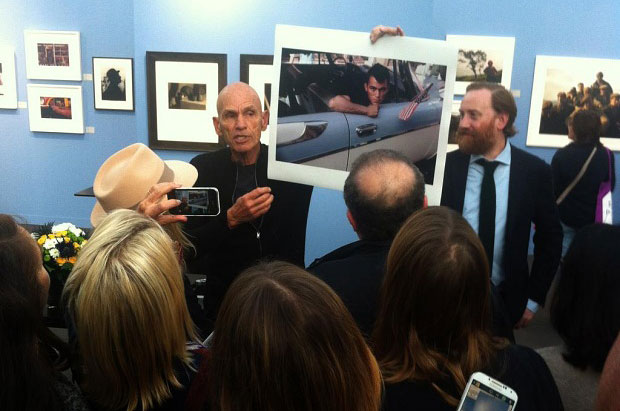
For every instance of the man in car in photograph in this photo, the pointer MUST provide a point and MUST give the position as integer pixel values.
(366, 101)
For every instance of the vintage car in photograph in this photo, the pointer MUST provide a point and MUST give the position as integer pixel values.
(309, 133)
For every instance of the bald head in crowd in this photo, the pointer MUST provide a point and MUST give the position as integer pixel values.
(383, 189)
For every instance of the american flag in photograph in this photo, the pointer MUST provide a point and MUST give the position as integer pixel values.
(408, 111)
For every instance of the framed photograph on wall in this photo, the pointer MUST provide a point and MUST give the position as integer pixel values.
(182, 91)
(8, 83)
(55, 108)
(563, 85)
(482, 58)
(257, 71)
(113, 83)
(53, 55)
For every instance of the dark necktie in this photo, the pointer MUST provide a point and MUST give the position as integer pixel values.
(486, 218)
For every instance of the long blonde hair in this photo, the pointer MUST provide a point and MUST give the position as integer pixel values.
(434, 316)
(126, 296)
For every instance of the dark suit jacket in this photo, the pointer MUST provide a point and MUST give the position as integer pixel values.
(355, 273)
(530, 200)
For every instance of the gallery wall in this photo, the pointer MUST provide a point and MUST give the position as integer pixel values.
(41, 171)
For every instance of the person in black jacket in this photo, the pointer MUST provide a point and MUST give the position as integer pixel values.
(579, 206)
(260, 217)
(433, 326)
(382, 190)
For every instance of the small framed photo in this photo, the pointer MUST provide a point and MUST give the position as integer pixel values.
(482, 58)
(55, 109)
(53, 55)
(113, 83)
(563, 85)
(8, 84)
(257, 71)
(182, 90)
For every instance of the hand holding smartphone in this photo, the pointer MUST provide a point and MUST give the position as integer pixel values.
(485, 393)
(196, 201)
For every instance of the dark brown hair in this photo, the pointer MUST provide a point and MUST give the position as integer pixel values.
(283, 340)
(502, 101)
(586, 125)
(434, 316)
(28, 350)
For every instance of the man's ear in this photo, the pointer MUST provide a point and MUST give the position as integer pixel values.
(425, 202)
(351, 221)
(501, 120)
(265, 115)
(216, 125)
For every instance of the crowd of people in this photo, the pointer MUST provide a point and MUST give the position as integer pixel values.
(599, 97)
(398, 320)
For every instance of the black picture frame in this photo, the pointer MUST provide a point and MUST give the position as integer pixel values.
(123, 63)
(154, 123)
(245, 60)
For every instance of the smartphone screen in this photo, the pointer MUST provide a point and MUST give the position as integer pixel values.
(196, 201)
(482, 397)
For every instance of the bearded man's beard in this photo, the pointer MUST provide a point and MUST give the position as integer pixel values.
(475, 141)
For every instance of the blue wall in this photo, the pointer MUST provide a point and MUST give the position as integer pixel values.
(41, 171)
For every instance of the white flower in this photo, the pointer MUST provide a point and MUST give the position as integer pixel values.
(49, 243)
(54, 253)
(68, 227)
(76, 231)
(62, 227)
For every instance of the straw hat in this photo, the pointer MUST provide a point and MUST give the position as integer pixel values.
(126, 176)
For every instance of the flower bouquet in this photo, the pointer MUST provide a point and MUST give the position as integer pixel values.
(60, 245)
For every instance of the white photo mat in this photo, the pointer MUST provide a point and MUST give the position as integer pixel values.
(357, 43)
(456, 106)
(37, 93)
(124, 66)
(8, 82)
(553, 74)
(497, 49)
(180, 125)
(35, 70)
(259, 75)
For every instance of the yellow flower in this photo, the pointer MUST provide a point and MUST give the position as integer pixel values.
(67, 239)
(76, 245)
(63, 233)
(84, 242)
(51, 236)
(42, 239)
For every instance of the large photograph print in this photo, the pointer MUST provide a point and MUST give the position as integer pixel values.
(563, 85)
(339, 97)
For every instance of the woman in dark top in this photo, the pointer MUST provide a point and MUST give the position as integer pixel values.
(579, 207)
(284, 341)
(31, 356)
(433, 327)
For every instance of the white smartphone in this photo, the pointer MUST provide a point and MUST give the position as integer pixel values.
(485, 393)
(196, 201)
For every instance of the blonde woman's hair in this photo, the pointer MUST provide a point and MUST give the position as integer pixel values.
(126, 296)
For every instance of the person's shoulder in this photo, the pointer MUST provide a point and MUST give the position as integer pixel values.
(210, 157)
(527, 160)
